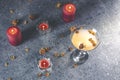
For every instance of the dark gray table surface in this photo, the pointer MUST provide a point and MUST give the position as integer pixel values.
(103, 62)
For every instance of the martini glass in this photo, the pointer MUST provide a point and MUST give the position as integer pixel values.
(83, 40)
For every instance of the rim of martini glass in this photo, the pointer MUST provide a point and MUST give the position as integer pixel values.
(86, 28)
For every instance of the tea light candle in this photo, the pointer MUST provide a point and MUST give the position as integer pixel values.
(69, 11)
(44, 64)
(14, 35)
(43, 26)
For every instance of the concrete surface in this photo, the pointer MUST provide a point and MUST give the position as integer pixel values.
(103, 62)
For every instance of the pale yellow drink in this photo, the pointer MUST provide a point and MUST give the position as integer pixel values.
(84, 37)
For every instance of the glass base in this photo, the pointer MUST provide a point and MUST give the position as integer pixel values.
(46, 70)
(79, 56)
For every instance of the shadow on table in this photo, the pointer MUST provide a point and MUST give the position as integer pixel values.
(86, 8)
(29, 33)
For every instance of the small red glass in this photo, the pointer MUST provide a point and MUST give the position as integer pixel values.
(14, 35)
(69, 11)
(45, 65)
(43, 26)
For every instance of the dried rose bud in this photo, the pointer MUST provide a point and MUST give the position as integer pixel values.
(75, 65)
(42, 51)
(58, 5)
(62, 54)
(47, 74)
(11, 11)
(32, 17)
(81, 46)
(91, 32)
(15, 22)
(12, 57)
(73, 28)
(90, 39)
(6, 64)
(25, 22)
(70, 48)
(76, 31)
(39, 74)
(94, 44)
(9, 78)
(47, 49)
(27, 50)
(56, 54)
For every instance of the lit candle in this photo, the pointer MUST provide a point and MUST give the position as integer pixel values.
(14, 35)
(44, 64)
(43, 26)
(69, 11)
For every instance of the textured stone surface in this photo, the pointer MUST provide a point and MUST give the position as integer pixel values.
(103, 62)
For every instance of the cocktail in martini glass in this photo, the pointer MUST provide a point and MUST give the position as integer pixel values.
(84, 40)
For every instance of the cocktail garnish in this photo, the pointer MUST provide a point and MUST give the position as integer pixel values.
(91, 32)
(73, 28)
(81, 46)
(92, 41)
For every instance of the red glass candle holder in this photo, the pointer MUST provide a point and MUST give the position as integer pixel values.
(45, 65)
(14, 35)
(43, 26)
(69, 11)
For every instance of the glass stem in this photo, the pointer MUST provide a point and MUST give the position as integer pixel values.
(82, 54)
(79, 56)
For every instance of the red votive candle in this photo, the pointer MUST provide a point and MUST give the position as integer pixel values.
(69, 11)
(14, 35)
(43, 26)
(44, 64)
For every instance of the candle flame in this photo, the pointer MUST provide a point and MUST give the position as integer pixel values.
(43, 27)
(69, 7)
(12, 30)
(44, 64)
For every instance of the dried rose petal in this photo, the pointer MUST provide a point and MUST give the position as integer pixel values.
(47, 74)
(62, 54)
(39, 74)
(91, 32)
(12, 57)
(11, 11)
(76, 31)
(6, 64)
(15, 22)
(75, 65)
(81, 46)
(42, 51)
(32, 17)
(9, 78)
(25, 22)
(70, 48)
(73, 28)
(58, 5)
(56, 54)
